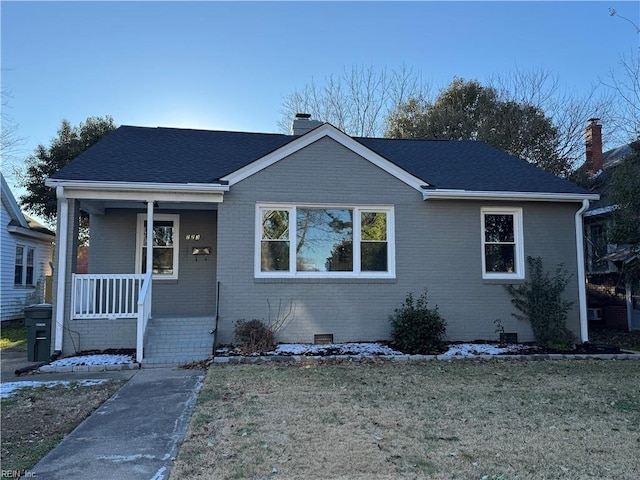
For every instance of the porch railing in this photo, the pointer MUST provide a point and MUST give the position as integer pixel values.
(108, 296)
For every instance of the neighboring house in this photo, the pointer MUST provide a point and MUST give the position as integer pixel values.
(317, 228)
(610, 301)
(26, 253)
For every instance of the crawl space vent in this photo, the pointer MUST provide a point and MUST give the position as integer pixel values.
(323, 339)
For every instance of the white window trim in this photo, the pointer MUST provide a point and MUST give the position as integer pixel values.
(356, 273)
(142, 217)
(519, 274)
(25, 255)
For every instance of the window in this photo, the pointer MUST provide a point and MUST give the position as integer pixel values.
(319, 241)
(502, 244)
(165, 250)
(24, 271)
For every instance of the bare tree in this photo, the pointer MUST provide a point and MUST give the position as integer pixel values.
(358, 101)
(626, 89)
(568, 111)
(10, 141)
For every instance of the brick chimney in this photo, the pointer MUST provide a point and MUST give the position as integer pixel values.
(593, 138)
(303, 124)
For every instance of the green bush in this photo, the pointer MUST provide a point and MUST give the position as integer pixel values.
(254, 336)
(417, 328)
(541, 303)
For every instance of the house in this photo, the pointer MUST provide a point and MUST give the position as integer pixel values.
(610, 301)
(318, 231)
(26, 253)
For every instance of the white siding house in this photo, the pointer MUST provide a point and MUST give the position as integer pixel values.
(25, 257)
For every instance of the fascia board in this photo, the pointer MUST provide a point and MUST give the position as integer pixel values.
(513, 196)
(325, 130)
(91, 190)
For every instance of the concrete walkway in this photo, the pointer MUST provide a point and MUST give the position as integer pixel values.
(133, 435)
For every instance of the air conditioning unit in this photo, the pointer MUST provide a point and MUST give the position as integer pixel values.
(594, 314)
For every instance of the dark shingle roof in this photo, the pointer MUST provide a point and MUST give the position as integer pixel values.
(170, 155)
(468, 165)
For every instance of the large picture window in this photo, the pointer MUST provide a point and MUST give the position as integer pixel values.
(165, 249)
(502, 243)
(310, 241)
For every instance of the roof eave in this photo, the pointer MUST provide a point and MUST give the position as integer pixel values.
(29, 233)
(448, 194)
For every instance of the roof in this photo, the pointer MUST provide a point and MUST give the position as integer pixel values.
(21, 223)
(601, 181)
(183, 156)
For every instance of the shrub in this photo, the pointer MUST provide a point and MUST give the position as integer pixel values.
(417, 328)
(254, 336)
(541, 303)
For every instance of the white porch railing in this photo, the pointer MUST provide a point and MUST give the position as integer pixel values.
(106, 296)
(114, 296)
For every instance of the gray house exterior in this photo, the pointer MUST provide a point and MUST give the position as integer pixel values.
(325, 231)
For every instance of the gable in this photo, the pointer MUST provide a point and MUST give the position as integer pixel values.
(322, 172)
(325, 131)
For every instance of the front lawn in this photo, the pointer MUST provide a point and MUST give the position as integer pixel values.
(440, 419)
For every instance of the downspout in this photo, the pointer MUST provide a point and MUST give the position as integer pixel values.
(582, 286)
(61, 272)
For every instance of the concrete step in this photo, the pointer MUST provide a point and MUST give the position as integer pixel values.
(174, 341)
(158, 361)
(199, 351)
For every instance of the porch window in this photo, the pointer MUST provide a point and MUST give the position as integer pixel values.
(165, 247)
(24, 267)
(502, 243)
(319, 241)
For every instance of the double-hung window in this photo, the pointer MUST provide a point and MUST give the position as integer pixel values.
(165, 249)
(324, 241)
(502, 243)
(24, 267)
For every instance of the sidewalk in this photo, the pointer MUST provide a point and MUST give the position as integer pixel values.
(133, 435)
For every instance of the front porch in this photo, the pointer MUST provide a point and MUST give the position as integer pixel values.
(160, 301)
(115, 310)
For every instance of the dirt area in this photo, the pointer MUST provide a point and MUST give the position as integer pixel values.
(375, 419)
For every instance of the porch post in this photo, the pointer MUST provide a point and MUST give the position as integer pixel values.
(149, 258)
(61, 265)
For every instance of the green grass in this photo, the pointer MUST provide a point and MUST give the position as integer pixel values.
(11, 337)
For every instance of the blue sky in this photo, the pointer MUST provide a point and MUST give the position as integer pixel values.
(219, 65)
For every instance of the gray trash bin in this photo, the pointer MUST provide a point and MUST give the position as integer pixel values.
(37, 319)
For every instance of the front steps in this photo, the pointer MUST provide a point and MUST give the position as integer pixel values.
(176, 341)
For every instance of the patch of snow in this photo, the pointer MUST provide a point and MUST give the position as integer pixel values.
(377, 349)
(472, 349)
(100, 359)
(9, 388)
(364, 349)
